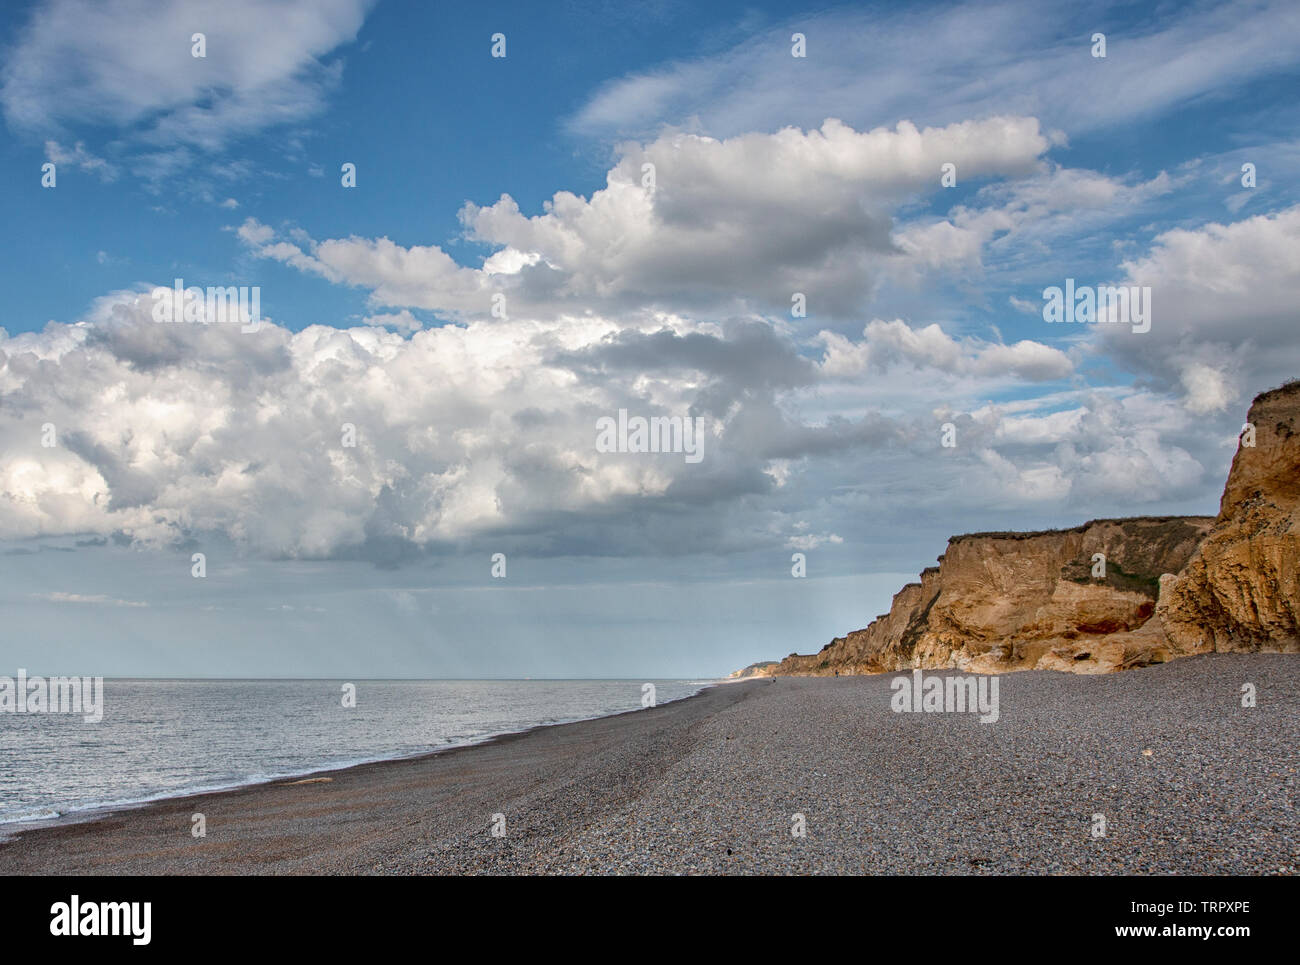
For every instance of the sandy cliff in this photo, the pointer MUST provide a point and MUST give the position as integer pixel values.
(1170, 586)
(1241, 589)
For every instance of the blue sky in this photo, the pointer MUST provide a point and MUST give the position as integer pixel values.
(521, 176)
(424, 112)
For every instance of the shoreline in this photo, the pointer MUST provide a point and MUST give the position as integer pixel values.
(1188, 781)
(12, 829)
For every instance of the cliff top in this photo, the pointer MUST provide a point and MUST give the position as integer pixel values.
(1289, 387)
(1120, 520)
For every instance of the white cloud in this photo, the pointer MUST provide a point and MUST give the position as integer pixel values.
(862, 65)
(483, 435)
(402, 321)
(1108, 449)
(129, 65)
(81, 159)
(1206, 388)
(1223, 319)
(92, 598)
(739, 225)
(810, 541)
(887, 343)
(1021, 221)
(170, 429)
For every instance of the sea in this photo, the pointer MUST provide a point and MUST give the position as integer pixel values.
(169, 738)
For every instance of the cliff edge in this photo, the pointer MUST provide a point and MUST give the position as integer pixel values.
(1240, 590)
(1112, 593)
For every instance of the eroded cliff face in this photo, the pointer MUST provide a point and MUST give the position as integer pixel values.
(1241, 589)
(1019, 601)
(1172, 586)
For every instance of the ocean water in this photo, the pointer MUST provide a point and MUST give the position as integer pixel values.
(165, 738)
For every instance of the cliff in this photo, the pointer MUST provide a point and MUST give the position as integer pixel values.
(1240, 590)
(759, 669)
(1169, 586)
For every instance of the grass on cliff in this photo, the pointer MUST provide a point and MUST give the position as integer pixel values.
(1289, 387)
(1117, 578)
(1165, 544)
(1121, 520)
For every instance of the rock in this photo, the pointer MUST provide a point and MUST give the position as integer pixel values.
(1241, 589)
(1172, 585)
(761, 669)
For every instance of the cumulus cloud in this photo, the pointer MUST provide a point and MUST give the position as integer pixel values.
(483, 436)
(1223, 317)
(666, 293)
(887, 343)
(168, 430)
(1109, 447)
(688, 222)
(402, 321)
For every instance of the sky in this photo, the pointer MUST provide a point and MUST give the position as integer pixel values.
(826, 235)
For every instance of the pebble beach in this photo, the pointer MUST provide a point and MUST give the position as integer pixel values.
(1159, 770)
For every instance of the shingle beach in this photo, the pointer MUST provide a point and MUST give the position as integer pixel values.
(1180, 776)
